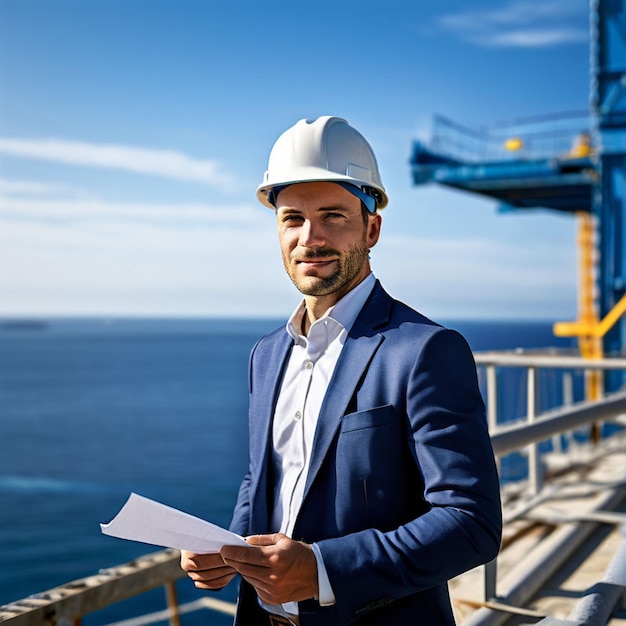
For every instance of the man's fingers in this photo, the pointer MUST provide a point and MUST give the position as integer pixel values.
(214, 578)
(214, 583)
(191, 562)
(264, 540)
(210, 574)
(237, 555)
(207, 571)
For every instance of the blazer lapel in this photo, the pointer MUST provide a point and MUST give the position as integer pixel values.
(358, 351)
(273, 361)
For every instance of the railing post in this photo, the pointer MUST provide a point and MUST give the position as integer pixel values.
(568, 400)
(172, 602)
(490, 572)
(492, 403)
(534, 461)
(492, 398)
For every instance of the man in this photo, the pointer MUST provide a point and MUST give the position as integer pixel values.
(372, 480)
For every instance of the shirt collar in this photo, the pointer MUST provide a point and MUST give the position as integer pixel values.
(345, 311)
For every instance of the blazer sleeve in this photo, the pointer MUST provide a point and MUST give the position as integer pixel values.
(461, 527)
(241, 513)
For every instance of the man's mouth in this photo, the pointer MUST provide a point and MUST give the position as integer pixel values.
(320, 257)
(314, 261)
(311, 267)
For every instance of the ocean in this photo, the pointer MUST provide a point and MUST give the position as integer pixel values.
(91, 410)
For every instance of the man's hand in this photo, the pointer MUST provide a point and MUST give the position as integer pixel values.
(208, 571)
(280, 569)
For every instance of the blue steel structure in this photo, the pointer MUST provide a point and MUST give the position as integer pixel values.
(542, 173)
(541, 170)
(608, 104)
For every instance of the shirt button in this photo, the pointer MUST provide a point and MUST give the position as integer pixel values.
(297, 416)
(308, 364)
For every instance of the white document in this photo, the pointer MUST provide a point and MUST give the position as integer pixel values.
(145, 520)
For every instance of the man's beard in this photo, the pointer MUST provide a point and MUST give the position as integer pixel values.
(348, 268)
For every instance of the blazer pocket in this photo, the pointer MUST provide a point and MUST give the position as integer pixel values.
(372, 418)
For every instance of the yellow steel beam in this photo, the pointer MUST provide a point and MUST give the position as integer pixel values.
(596, 329)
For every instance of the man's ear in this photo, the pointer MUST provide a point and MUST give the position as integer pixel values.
(374, 223)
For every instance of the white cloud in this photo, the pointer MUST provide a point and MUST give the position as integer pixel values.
(79, 207)
(522, 24)
(164, 163)
(538, 38)
(36, 188)
(64, 210)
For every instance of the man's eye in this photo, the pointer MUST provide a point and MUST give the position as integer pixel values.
(291, 219)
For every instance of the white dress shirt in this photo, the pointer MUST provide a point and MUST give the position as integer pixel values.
(307, 375)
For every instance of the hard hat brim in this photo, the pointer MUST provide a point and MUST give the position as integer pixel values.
(318, 176)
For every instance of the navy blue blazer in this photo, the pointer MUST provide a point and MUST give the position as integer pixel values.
(402, 492)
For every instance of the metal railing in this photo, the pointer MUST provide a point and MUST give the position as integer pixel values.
(537, 137)
(67, 604)
(537, 427)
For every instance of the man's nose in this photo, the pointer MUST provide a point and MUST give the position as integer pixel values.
(311, 234)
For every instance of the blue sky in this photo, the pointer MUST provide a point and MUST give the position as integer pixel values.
(133, 134)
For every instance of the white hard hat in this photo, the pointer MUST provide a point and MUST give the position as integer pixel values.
(322, 149)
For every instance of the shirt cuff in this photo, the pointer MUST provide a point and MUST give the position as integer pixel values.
(326, 595)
